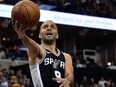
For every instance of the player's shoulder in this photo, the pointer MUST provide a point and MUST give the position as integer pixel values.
(42, 51)
(67, 55)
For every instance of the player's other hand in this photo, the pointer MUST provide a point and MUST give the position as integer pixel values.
(64, 82)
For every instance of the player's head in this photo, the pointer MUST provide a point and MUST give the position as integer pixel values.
(48, 32)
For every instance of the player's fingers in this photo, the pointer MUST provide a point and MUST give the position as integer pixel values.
(60, 81)
(21, 28)
(13, 24)
(63, 83)
(16, 25)
(66, 84)
(56, 79)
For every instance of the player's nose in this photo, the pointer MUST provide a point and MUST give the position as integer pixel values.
(48, 29)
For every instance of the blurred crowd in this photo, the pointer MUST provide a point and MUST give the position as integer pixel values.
(8, 76)
(14, 79)
(12, 52)
(101, 8)
(89, 74)
(85, 82)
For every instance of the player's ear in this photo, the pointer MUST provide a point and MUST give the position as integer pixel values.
(57, 36)
(39, 35)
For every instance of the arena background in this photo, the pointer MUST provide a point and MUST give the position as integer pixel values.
(96, 45)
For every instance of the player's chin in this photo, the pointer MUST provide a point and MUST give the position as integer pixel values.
(49, 37)
(49, 41)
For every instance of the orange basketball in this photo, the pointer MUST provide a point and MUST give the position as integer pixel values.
(26, 13)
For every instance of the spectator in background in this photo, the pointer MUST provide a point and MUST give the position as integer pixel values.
(5, 73)
(108, 83)
(9, 53)
(92, 83)
(28, 83)
(2, 53)
(13, 62)
(11, 73)
(1, 75)
(76, 84)
(113, 84)
(84, 82)
(14, 82)
(4, 82)
(101, 82)
(19, 74)
(78, 64)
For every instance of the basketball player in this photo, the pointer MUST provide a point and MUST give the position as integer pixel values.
(49, 66)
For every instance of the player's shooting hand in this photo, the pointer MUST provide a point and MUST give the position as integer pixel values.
(64, 82)
(20, 30)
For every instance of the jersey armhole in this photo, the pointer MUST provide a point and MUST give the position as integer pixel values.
(43, 55)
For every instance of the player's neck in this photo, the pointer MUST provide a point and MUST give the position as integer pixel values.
(51, 47)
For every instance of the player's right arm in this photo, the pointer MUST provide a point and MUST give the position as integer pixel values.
(33, 48)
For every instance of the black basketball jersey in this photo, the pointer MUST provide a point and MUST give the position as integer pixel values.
(50, 66)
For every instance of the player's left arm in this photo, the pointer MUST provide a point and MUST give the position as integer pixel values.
(69, 68)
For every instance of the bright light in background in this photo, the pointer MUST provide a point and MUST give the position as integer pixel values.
(109, 63)
(31, 34)
(8, 39)
(4, 39)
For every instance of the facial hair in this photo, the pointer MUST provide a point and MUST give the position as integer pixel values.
(49, 42)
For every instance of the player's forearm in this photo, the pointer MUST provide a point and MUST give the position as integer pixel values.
(70, 78)
(29, 43)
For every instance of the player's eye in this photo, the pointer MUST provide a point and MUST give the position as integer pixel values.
(45, 26)
(52, 26)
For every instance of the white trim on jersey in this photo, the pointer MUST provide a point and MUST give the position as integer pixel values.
(38, 69)
(51, 52)
(36, 77)
(35, 73)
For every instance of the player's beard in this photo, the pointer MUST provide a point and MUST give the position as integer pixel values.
(49, 41)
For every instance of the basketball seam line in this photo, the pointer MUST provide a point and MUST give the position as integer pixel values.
(32, 7)
(19, 13)
(28, 16)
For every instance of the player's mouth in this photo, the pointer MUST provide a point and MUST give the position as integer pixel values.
(49, 33)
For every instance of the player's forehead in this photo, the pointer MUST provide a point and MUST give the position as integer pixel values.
(48, 22)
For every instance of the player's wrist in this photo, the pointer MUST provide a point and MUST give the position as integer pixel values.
(22, 36)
